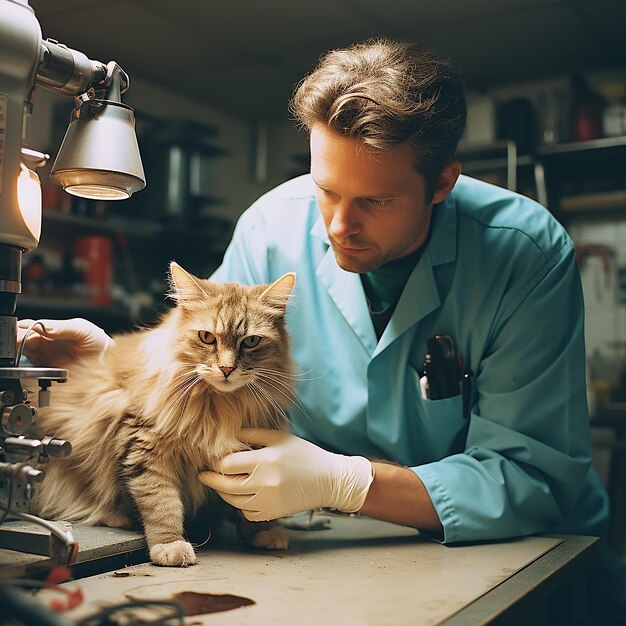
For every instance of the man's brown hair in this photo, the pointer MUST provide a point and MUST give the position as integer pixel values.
(387, 92)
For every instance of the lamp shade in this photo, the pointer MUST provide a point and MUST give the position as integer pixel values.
(99, 157)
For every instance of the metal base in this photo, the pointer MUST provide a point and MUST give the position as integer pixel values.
(44, 373)
(31, 538)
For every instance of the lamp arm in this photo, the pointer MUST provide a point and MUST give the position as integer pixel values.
(69, 72)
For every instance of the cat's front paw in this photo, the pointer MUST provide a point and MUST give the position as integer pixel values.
(173, 554)
(274, 538)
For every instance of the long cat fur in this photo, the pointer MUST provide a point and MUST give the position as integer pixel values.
(154, 410)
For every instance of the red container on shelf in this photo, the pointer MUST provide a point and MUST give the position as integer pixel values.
(585, 112)
(95, 253)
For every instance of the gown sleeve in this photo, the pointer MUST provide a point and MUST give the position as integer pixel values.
(528, 447)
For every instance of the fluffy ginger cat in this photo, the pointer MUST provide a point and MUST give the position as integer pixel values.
(162, 404)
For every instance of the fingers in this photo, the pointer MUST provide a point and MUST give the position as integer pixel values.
(244, 502)
(238, 463)
(248, 461)
(21, 329)
(80, 327)
(36, 326)
(64, 328)
(32, 340)
(226, 485)
(211, 479)
(76, 326)
(41, 327)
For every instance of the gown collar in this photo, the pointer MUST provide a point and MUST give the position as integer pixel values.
(419, 297)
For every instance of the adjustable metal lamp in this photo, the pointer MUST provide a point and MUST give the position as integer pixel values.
(99, 157)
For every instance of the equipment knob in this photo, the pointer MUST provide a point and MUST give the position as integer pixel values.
(56, 447)
(31, 475)
(17, 419)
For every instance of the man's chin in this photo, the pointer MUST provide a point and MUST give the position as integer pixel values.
(356, 266)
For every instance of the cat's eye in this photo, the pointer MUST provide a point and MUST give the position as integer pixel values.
(251, 341)
(206, 337)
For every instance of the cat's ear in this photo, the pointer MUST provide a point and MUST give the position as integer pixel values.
(277, 294)
(183, 285)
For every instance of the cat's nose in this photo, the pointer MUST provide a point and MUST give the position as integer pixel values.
(227, 371)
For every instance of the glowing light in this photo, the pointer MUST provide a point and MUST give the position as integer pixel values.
(97, 192)
(29, 200)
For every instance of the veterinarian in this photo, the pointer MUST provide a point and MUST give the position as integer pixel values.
(397, 257)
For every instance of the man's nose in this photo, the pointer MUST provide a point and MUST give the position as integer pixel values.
(345, 221)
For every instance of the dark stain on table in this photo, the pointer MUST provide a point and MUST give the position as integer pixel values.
(195, 603)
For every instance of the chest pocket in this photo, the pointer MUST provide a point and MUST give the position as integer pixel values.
(442, 423)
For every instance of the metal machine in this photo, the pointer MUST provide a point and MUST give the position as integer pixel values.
(99, 158)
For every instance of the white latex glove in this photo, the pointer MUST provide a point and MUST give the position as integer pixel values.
(62, 342)
(288, 475)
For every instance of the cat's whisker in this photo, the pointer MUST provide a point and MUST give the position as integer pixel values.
(280, 386)
(171, 408)
(283, 389)
(269, 407)
(267, 401)
(276, 404)
(272, 377)
(181, 390)
(181, 384)
(290, 376)
(182, 380)
(265, 394)
(185, 387)
(180, 395)
(185, 370)
(283, 373)
(258, 399)
(285, 393)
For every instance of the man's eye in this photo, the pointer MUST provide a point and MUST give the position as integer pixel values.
(251, 341)
(206, 337)
(325, 192)
(379, 203)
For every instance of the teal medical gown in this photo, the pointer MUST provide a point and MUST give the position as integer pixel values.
(499, 275)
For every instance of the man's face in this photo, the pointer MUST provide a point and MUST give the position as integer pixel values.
(373, 201)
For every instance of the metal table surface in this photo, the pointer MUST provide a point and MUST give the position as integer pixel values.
(363, 571)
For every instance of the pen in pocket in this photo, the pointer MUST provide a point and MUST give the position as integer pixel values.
(442, 375)
(441, 368)
(466, 390)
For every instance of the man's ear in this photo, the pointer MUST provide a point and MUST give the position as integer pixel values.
(446, 181)
(277, 294)
(183, 285)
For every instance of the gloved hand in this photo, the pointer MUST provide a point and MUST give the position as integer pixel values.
(288, 475)
(62, 342)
